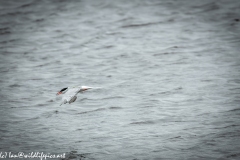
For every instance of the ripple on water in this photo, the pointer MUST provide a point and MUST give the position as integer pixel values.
(115, 108)
(142, 123)
(91, 111)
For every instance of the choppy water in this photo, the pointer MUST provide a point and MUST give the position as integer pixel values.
(170, 72)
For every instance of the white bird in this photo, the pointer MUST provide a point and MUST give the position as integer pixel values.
(70, 93)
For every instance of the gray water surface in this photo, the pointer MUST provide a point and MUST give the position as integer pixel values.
(170, 72)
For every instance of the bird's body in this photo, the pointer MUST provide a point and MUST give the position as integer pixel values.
(70, 93)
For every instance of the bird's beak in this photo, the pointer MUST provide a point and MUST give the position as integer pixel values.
(59, 93)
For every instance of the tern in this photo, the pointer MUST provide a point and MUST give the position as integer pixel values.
(70, 93)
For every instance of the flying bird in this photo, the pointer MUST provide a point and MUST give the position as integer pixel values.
(70, 93)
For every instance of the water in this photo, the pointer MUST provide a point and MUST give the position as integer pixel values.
(170, 72)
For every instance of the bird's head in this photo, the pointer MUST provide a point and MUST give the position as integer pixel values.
(62, 91)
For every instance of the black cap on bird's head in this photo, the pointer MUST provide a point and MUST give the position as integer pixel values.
(62, 91)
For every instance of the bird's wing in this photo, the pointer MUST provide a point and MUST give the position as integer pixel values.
(70, 94)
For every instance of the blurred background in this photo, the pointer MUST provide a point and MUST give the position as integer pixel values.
(169, 72)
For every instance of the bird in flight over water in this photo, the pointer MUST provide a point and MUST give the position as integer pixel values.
(70, 93)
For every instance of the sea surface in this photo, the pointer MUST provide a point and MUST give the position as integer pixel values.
(169, 72)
